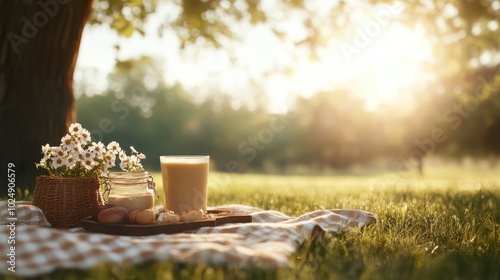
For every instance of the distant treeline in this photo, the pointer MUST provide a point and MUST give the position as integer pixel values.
(330, 130)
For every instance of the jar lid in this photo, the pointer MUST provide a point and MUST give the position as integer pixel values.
(129, 178)
(123, 177)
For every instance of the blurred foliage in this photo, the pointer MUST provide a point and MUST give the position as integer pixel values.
(126, 17)
(457, 113)
(463, 97)
(139, 110)
(331, 129)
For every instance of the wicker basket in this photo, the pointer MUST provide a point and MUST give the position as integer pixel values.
(65, 201)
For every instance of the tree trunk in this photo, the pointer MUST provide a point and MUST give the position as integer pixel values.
(38, 51)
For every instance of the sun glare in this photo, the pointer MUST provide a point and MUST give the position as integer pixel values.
(392, 65)
(380, 72)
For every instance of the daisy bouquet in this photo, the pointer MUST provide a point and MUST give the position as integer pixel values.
(78, 156)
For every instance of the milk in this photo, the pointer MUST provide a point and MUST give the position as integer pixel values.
(185, 182)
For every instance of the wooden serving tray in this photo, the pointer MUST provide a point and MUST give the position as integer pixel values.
(221, 218)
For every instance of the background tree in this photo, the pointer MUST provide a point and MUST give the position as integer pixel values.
(39, 46)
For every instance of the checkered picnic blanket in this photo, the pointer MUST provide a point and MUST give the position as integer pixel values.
(269, 240)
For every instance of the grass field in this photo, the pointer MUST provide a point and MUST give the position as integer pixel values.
(443, 226)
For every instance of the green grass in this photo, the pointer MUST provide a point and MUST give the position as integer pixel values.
(444, 226)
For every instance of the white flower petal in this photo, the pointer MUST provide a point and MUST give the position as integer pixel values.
(75, 129)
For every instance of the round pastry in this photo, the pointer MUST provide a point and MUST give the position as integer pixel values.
(143, 217)
(133, 216)
(167, 217)
(191, 215)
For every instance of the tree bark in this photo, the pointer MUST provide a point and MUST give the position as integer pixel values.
(39, 42)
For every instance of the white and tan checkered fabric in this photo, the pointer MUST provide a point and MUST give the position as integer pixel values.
(269, 240)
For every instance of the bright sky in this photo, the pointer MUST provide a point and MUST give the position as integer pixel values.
(376, 62)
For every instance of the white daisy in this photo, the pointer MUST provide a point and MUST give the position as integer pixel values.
(67, 142)
(57, 162)
(114, 147)
(89, 164)
(70, 162)
(77, 149)
(99, 149)
(75, 129)
(109, 159)
(85, 136)
(88, 154)
(57, 152)
(122, 155)
(124, 165)
(133, 159)
(46, 149)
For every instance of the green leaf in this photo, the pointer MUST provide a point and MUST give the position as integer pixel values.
(123, 27)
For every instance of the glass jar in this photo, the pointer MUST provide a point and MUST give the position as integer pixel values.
(131, 190)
